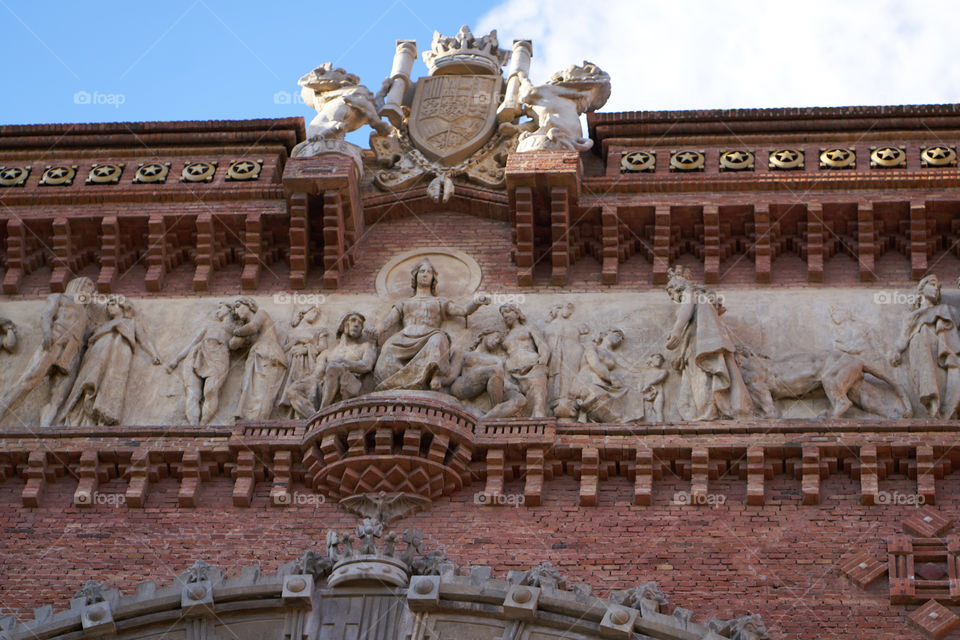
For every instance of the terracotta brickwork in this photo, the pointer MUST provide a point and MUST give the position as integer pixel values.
(814, 525)
(779, 560)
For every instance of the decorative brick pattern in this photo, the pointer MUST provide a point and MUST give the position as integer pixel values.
(862, 569)
(927, 522)
(934, 620)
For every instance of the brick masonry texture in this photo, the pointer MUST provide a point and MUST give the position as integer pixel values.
(769, 552)
(779, 560)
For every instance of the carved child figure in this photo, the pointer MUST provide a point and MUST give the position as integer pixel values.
(599, 392)
(651, 382)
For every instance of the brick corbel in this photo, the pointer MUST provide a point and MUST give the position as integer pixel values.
(811, 474)
(815, 232)
(869, 475)
(194, 470)
(643, 482)
(918, 239)
(699, 474)
(156, 252)
(763, 253)
(866, 250)
(589, 476)
(110, 255)
(711, 244)
(91, 474)
(495, 475)
(63, 258)
(248, 472)
(143, 470)
(926, 475)
(756, 474)
(17, 260)
(610, 267)
(661, 244)
(280, 495)
(533, 488)
(38, 473)
(552, 179)
(252, 251)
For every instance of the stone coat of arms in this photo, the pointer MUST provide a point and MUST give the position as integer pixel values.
(457, 123)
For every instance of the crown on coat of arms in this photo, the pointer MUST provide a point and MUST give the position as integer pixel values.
(465, 54)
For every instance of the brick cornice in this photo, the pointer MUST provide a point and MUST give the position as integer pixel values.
(427, 446)
(773, 119)
(187, 133)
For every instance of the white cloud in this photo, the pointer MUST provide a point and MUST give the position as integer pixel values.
(696, 54)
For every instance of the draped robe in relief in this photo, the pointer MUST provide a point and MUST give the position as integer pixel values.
(933, 348)
(98, 391)
(410, 357)
(263, 375)
(710, 371)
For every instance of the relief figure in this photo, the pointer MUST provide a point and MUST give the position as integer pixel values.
(63, 324)
(482, 369)
(266, 362)
(930, 339)
(527, 358)
(98, 393)
(705, 352)
(418, 356)
(208, 362)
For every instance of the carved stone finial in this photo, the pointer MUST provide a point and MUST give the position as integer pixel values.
(198, 572)
(413, 539)
(646, 597)
(92, 592)
(748, 627)
(542, 575)
(429, 564)
(312, 563)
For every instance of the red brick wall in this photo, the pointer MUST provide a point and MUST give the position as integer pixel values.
(779, 560)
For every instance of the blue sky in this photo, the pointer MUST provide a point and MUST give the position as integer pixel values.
(209, 59)
(196, 59)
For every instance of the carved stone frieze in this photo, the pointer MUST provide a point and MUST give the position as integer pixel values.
(697, 354)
